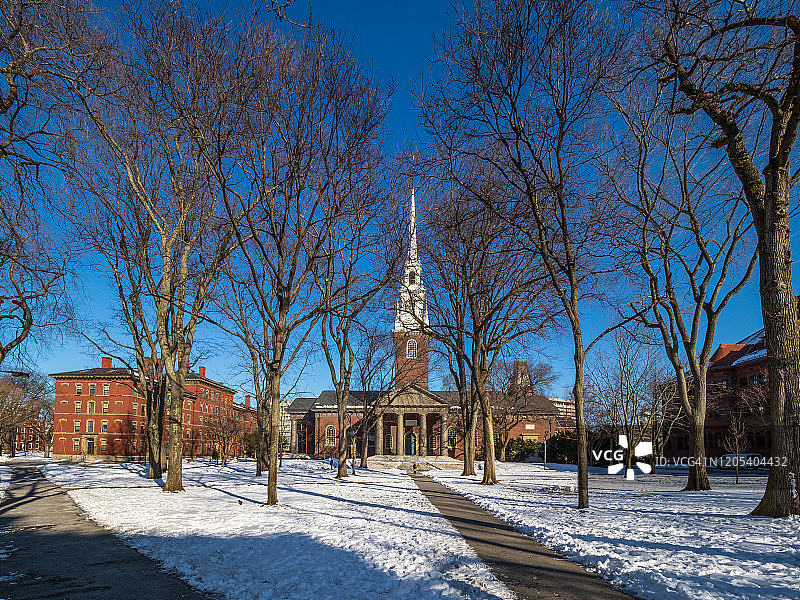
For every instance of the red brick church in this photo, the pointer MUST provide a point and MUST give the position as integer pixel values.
(413, 420)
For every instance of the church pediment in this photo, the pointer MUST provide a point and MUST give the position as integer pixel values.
(417, 397)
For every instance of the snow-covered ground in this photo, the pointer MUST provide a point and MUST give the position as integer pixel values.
(5, 477)
(22, 455)
(647, 536)
(371, 536)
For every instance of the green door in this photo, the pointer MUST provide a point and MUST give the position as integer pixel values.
(411, 444)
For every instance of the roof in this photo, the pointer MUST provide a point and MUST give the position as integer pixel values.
(327, 400)
(126, 373)
(106, 372)
(749, 349)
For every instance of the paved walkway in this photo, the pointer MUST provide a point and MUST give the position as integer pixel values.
(50, 549)
(527, 567)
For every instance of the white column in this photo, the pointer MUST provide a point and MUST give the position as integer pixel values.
(378, 436)
(401, 436)
(423, 435)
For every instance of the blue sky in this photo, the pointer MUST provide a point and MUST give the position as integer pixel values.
(395, 40)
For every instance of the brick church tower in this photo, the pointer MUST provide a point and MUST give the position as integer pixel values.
(410, 343)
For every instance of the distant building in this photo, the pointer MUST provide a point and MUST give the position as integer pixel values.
(737, 389)
(412, 419)
(99, 412)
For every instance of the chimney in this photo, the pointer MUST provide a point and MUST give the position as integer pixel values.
(247, 401)
(106, 362)
(202, 371)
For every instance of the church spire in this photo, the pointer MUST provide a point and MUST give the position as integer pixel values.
(412, 229)
(411, 310)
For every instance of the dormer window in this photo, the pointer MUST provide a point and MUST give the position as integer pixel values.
(412, 278)
(411, 349)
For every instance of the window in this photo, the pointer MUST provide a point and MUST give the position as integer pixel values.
(411, 349)
(90, 407)
(433, 442)
(142, 428)
(104, 426)
(90, 426)
(76, 426)
(105, 389)
(143, 410)
(330, 435)
(76, 445)
(78, 388)
(134, 425)
(388, 441)
(189, 405)
(216, 396)
(91, 389)
(136, 408)
(412, 278)
(105, 408)
(77, 408)
(452, 437)
(103, 445)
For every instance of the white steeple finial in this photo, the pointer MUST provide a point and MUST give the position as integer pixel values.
(412, 229)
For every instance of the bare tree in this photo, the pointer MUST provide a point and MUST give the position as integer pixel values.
(225, 431)
(36, 37)
(737, 65)
(311, 101)
(40, 400)
(672, 191)
(475, 255)
(518, 86)
(146, 161)
(736, 440)
(622, 380)
(517, 389)
(363, 247)
(15, 411)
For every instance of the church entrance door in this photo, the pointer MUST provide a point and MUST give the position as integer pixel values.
(411, 443)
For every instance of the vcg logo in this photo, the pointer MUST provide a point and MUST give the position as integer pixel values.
(617, 456)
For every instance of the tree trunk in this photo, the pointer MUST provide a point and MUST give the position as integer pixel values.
(780, 312)
(155, 431)
(503, 446)
(469, 443)
(580, 422)
(174, 481)
(698, 477)
(274, 434)
(365, 444)
(262, 435)
(489, 474)
(341, 450)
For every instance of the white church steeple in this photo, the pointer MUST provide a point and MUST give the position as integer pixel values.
(412, 312)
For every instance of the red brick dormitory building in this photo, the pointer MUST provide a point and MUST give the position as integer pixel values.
(737, 389)
(412, 419)
(98, 412)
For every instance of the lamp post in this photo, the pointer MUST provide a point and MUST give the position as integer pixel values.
(545, 450)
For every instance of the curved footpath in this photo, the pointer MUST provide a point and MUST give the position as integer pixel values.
(50, 549)
(530, 569)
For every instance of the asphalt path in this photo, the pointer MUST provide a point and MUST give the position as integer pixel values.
(50, 549)
(530, 569)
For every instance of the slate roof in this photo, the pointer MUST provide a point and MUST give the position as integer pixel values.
(327, 400)
(125, 372)
(751, 348)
